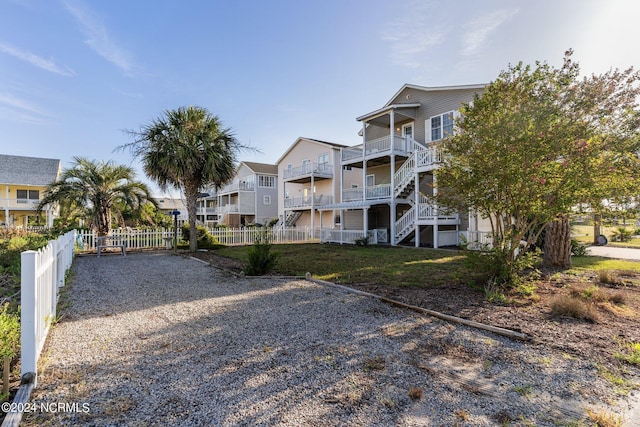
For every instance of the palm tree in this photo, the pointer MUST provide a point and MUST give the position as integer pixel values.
(101, 187)
(187, 149)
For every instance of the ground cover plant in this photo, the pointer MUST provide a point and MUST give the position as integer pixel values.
(366, 264)
(443, 281)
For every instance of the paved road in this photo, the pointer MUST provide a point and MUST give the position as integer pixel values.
(612, 252)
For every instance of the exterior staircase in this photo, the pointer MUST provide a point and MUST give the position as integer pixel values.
(292, 218)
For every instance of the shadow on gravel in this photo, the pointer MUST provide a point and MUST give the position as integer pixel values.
(162, 340)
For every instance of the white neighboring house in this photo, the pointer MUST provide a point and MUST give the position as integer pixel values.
(309, 178)
(166, 205)
(396, 163)
(251, 197)
(23, 181)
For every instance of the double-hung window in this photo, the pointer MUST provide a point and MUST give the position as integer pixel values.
(24, 196)
(266, 181)
(441, 126)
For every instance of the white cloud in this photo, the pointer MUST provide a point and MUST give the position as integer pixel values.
(19, 110)
(33, 59)
(478, 29)
(411, 36)
(98, 37)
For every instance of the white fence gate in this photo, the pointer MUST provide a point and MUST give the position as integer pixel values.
(135, 238)
(42, 275)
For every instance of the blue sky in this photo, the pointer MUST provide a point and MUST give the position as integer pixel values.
(75, 73)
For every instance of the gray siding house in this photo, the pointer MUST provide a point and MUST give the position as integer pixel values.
(396, 161)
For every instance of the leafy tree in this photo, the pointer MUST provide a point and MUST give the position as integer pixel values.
(533, 145)
(102, 188)
(187, 149)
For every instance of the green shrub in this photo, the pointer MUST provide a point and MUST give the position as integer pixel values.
(205, 239)
(261, 259)
(497, 268)
(577, 248)
(362, 241)
(9, 333)
(621, 234)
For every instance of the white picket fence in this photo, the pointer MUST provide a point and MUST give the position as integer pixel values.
(247, 236)
(163, 238)
(135, 238)
(42, 275)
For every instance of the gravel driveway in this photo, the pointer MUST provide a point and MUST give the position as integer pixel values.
(157, 339)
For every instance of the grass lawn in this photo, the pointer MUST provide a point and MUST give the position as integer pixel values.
(584, 234)
(596, 263)
(353, 264)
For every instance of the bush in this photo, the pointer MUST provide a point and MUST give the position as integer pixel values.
(497, 268)
(9, 333)
(205, 239)
(362, 241)
(622, 234)
(261, 259)
(577, 248)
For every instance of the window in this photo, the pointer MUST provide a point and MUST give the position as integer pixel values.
(266, 181)
(323, 159)
(407, 130)
(436, 128)
(441, 126)
(23, 195)
(306, 166)
(266, 200)
(371, 180)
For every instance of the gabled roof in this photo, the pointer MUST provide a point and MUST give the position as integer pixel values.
(31, 171)
(392, 104)
(262, 168)
(317, 141)
(166, 203)
(433, 89)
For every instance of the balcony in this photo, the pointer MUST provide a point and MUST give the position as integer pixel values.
(402, 146)
(305, 202)
(227, 209)
(372, 192)
(206, 211)
(234, 187)
(19, 204)
(304, 173)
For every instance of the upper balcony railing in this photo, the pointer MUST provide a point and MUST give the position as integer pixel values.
(19, 204)
(237, 186)
(371, 192)
(206, 211)
(306, 201)
(382, 147)
(323, 170)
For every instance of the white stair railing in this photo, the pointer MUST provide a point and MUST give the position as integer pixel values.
(428, 158)
(404, 175)
(405, 224)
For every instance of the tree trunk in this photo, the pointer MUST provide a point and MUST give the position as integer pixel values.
(597, 221)
(191, 194)
(557, 243)
(104, 220)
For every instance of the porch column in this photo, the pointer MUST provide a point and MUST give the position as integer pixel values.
(365, 220)
(313, 202)
(392, 125)
(284, 201)
(6, 206)
(341, 224)
(435, 215)
(416, 196)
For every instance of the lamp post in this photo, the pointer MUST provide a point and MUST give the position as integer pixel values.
(175, 214)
